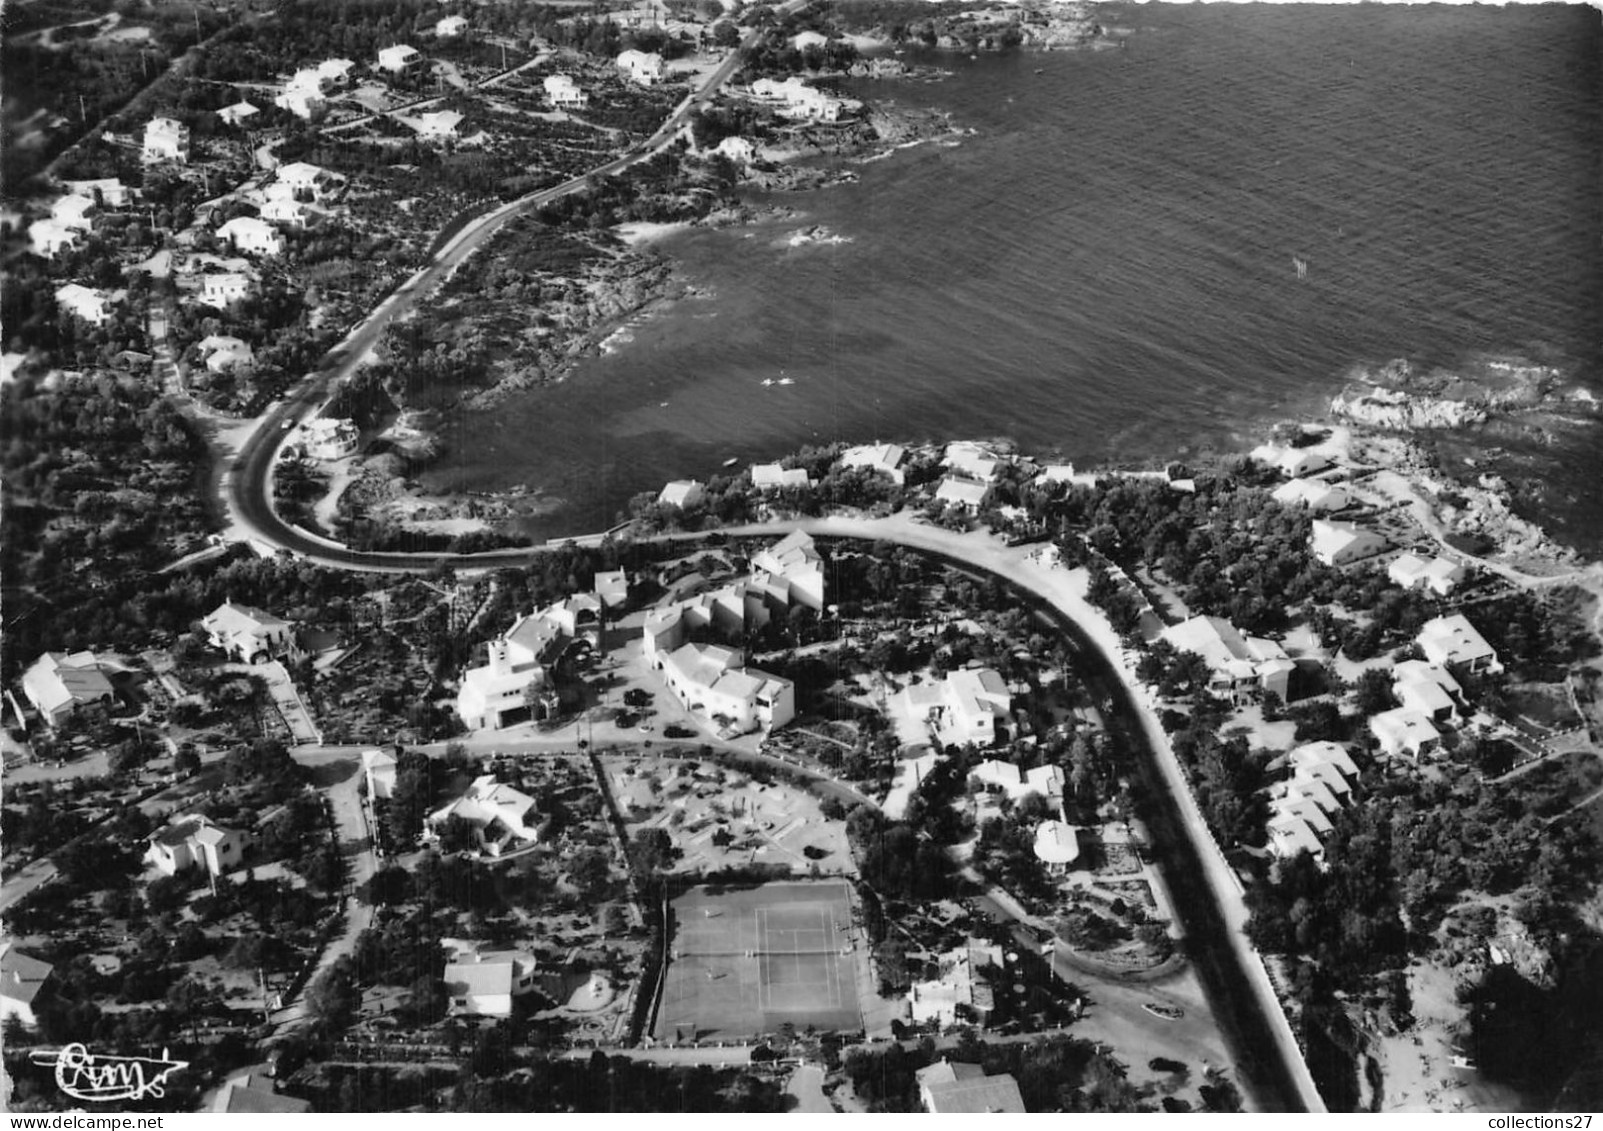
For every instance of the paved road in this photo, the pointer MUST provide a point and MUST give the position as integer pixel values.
(247, 484)
(807, 1085)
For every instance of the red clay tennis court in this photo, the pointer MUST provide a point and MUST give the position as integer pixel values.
(744, 961)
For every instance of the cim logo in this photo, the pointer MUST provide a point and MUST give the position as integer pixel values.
(102, 1079)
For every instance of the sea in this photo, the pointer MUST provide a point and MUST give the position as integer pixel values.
(1103, 266)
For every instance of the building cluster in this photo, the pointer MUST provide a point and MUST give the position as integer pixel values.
(968, 706)
(796, 100)
(961, 991)
(502, 818)
(1429, 690)
(1302, 807)
(643, 67)
(1237, 665)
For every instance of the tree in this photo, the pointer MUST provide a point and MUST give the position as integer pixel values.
(652, 850)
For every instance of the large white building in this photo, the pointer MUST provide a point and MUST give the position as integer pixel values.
(400, 59)
(888, 459)
(221, 353)
(1427, 689)
(109, 192)
(681, 493)
(1313, 494)
(514, 686)
(1301, 808)
(329, 438)
(47, 239)
(1019, 783)
(250, 635)
(954, 1088)
(221, 289)
(238, 114)
(253, 236)
(486, 984)
(797, 100)
(74, 211)
(1404, 731)
(1439, 575)
(773, 477)
(961, 990)
(196, 842)
(795, 561)
(714, 683)
(1236, 663)
(87, 303)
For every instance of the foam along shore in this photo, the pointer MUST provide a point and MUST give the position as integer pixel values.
(638, 232)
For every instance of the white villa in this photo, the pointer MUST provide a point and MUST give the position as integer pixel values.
(334, 73)
(301, 176)
(221, 352)
(284, 210)
(612, 586)
(1404, 731)
(956, 1088)
(329, 438)
(1056, 845)
(195, 841)
(1238, 663)
(74, 211)
(1293, 463)
(965, 494)
(166, 140)
(800, 101)
(1018, 784)
(969, 706)
(794, 561)
(715, 683)
(451, 26)
(399, 59)
(503, 818)
(885, 458)
(84, 302)
(46, 238)
(107, 191)
(251, 235)
(737, 149)
(681, 493)
(221, 289)
(962, 991)
(1440, 575)
(642, 67)
(1313, 494)
(772, 477)
(972, 460)
(378, 767)
(1427, 689)
(302, 101)
(250, 636)
(514, 685)
(435, 124)
(1452, 642)
(1340, 543)
(237, 113)
(564, 93)
(485, 984)
(59, 683)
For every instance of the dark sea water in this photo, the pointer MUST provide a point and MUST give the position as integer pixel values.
(1105, 268)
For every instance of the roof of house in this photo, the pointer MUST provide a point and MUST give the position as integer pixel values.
(1291, 833)
(1454, 638)
(773, 475)
(1056, 842)
(1403, 726)
(946, 1071)
(21, 975)
(1222, 646)
(1331, 538)
(59, 678)
(376, 759)
(478, 978)
(252, 1098)
(679, 492)
(1313, 754)
(962, 491)
(793, 553)
(884, 457)
(232, 618)
(999, 1093)
(1312, 493)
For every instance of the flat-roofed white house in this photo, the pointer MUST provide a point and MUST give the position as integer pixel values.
(1326, 762)
(451, 27)
(1313, 494)
(252, 236)
(238, 114)
(47, 239)
(485, 984)
(972, 460)
(74, 211)
(221, 352)
(965, 494)
(1236, 663)
(888, 459)
(335, 73)
(1293, 463)
(284, 210)
(503, 818)
(1405, 731)
(378, 767)
(714, 682)
(59, 683)
(1428, 689)
(197, 842)
(1341, 543)
(797, 100)
(109, 192)
(221, 289)
(87, 303)
(772, 477)
(303, 177)
(681, 493)
(400, 59)
(795, 560)
(971, 705)
(643, 67)
(166, 140)
(330, 437)
(565, 94)
(1452, 642)
(249, 635)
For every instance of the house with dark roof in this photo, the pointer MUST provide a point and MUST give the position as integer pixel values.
(257, 1094)
(22, 980)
